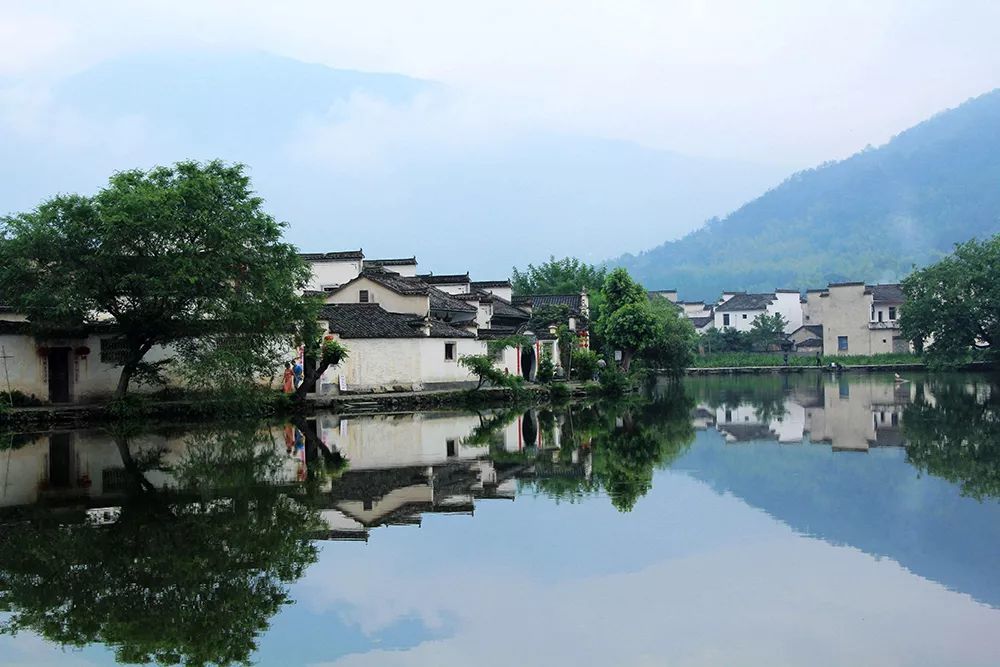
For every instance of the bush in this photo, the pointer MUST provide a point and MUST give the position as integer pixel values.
(19, 399)
(559, 392)
(546, 370)
(752, 359)
(614, 382)
(584, 364)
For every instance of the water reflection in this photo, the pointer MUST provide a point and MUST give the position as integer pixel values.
(165, 549)
(186, 546)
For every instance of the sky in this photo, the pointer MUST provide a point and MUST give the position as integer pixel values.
(761, 88)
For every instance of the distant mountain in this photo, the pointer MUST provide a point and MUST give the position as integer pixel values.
(395, 165)
(869, 217)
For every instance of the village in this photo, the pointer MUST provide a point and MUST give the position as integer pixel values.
(406, 330)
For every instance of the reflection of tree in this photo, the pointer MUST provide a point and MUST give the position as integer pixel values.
(626, 442)
(957, 435)
(177, 577)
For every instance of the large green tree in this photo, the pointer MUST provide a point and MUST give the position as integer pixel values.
(175, 253)
(558, 276)
(955, 304)
(638, 327)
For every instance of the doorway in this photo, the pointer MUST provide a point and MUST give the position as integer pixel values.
(58, 358)
(528, 362)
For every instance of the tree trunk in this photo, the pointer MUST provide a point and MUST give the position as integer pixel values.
(309, 379)
(626, 360)
(123, 380)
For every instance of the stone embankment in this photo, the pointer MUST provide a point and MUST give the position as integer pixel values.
(857, 368)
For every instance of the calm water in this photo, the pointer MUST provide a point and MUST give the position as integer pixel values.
(729, 521)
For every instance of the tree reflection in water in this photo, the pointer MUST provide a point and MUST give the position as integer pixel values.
(614, 446)
(953, 431)
(187, 575)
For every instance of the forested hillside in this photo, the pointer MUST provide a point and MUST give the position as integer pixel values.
(869, 217)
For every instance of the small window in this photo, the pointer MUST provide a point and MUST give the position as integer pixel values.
(744, 315)
(113, 351)
(880, 314)
(725, 320)
(449, 351)
(842, 343)
(892, 313)
(452, 447)
(363, 296)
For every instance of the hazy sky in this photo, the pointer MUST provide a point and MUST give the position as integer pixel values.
(786, 82)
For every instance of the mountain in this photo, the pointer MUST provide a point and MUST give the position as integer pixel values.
(395, 165)
(870, 217)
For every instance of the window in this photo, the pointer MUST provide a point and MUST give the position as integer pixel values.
(744, 315)
(725, 320)
(892, 313)
(449, 351)
(113, 350)
(363, 296)
(880, 313)
(451, 446)
(842, 343)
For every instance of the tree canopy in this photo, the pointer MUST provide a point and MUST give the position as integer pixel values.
(954, 305)
(632, 324)
(558, 276)
(175, 253)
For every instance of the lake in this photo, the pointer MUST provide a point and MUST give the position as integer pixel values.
(750, 520)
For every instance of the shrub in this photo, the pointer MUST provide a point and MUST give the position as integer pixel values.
(546, 369)
(584, 364)
(559, 392)
(614, 382)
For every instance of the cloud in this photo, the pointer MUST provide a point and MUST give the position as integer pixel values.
(784, 81)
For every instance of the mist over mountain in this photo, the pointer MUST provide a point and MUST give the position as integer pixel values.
(393, 164)
(870, 217)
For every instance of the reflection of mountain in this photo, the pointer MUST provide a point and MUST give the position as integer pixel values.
(877, 503)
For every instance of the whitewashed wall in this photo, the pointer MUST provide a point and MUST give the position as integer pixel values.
(418, 304)
(789, 306)
(331, 273)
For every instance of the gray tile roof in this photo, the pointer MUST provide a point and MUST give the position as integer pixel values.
(504, 308)
(369, 320)
(445, 279)
(443, 301)
(700, 322)
(747, 302)
(887, 293)
(400, 261)
(481, 284)
(394, 281)
(332, 256)
(536, 301)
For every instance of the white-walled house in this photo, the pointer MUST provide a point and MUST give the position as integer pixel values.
(738, 310)
(400, 294)
(404, 266)
(75, 366)
(395, 351)
(458, 283)
(330, 270)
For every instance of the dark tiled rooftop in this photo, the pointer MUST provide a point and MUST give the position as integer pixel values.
(342, 255)
(536, 301)
(401, 261)
(887, 293)
(445, 279)
(482, 284)
(746, 302)
(369, 320)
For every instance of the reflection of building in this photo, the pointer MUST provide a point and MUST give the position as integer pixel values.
(400, 467)
(859, 415)
(850, 416)
(784, 421)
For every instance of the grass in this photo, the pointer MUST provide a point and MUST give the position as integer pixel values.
(752, 360)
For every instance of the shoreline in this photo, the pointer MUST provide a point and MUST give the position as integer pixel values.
(855, 368)
(74, 416)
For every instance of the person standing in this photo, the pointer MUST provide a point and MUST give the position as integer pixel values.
(297, 373)
(288, 379)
